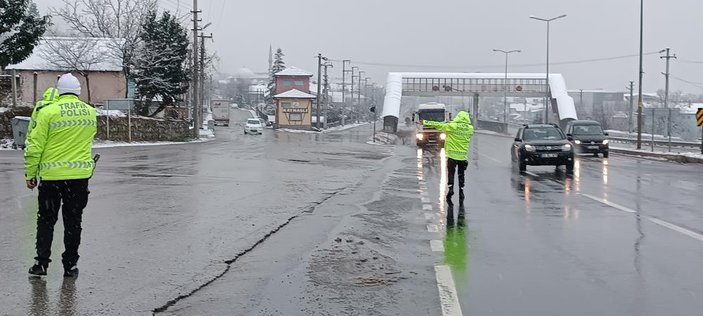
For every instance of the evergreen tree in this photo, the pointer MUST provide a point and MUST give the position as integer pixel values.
(160, 68)
(278, 65)
(21, 26)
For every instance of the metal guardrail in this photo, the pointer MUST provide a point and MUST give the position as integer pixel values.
(660, 142)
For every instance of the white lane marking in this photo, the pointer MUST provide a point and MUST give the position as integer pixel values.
(447, 292)
(611, 204)
(426, 207)
(432, 228)
(423, 194)
(437, 245)
(429, 216)
(679, 229)
(425, 199)
(532, 174)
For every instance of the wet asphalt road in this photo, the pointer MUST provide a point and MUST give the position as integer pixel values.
(619, 236)
(300, 224)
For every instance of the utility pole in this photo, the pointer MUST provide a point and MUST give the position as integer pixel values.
(202, 70)
(326, 92)
(344, 73)
(639, 96)
(632, 101)
(359, 92)
(319, 82)
(194, 88)
(668, 57)
(351, 104)
(581, 98)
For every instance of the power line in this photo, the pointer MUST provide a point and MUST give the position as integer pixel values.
(690, 61)
(695, 84)
(582, 61)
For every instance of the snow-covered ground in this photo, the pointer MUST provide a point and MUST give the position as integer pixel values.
(111, 113)
(205, 136)
(329, 130)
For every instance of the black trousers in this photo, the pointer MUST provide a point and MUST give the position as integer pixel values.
(71, 196)
(452, 165)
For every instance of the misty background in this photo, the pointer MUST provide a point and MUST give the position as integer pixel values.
(458, 36)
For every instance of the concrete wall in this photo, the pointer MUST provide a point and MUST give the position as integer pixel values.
(143, 128)
(103, 85)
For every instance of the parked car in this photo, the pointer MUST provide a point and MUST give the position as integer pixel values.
(542, 144)
(587, 137)
(253, 126)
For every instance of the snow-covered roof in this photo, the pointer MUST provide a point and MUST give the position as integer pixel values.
(292, 71)
(432, 106)
(294, 94)
(557, 85)
(101, 47)
(257, 88)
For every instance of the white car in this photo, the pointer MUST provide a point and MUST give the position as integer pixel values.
(253, 126)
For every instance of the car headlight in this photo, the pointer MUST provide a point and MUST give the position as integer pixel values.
(605, 142)
(529, 148)
(577, 142)
(566, 147)
(419, 136)
(443, 136)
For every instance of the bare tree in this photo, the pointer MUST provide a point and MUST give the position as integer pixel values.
(119, 20)
(75, 54)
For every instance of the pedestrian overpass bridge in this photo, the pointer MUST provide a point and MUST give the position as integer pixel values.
(430, 84)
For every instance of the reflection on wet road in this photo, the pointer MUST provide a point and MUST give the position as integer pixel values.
(618, 236)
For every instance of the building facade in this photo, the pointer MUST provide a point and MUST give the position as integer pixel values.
(294, 109)
(293, 99)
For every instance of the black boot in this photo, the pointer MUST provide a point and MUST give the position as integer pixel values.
(461, 194)
(450, 193)
(38, 269)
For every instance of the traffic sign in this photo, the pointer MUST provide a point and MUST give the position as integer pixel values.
(699, 117)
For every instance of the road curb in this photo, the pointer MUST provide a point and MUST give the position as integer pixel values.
(669, 157)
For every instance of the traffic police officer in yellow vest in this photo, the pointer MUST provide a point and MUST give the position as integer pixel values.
(58, 160)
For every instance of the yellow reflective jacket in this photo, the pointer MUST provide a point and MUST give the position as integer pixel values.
(51, 95)
(459, 132)
(60, 143)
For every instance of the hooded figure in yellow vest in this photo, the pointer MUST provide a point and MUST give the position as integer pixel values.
(58, 160)
(51, 95)
(459, 132)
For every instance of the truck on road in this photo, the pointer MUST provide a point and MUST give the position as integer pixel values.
(425, 135)
(220, 111)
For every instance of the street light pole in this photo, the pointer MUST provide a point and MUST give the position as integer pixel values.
(547, 97)
(505, 83)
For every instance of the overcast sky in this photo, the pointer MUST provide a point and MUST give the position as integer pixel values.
(459, 35)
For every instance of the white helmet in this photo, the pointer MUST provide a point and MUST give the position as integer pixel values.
(68, 84)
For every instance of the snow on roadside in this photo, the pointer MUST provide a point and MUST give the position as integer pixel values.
(329, 130)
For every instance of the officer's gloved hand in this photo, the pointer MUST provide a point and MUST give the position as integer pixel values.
(31, 184)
